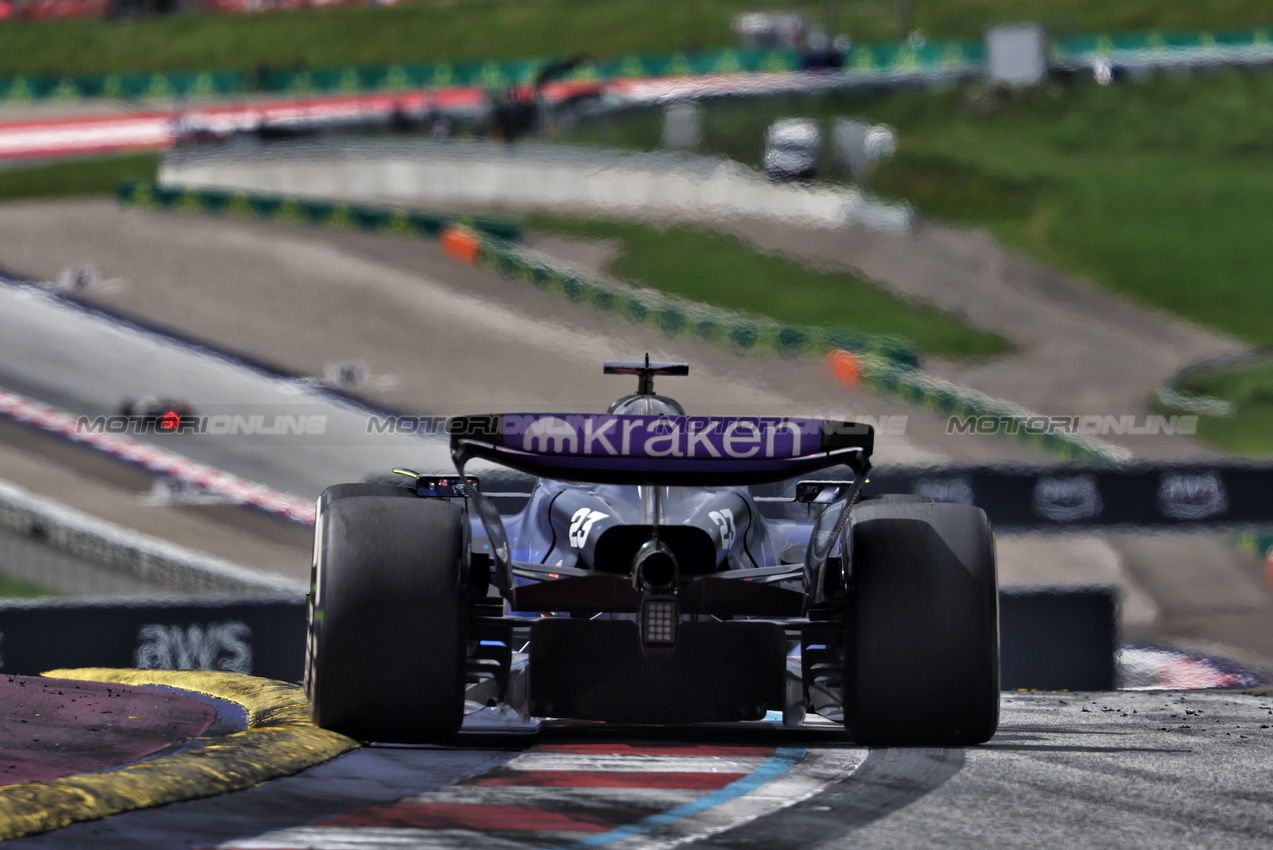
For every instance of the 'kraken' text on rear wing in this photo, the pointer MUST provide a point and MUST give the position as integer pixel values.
(673, 450)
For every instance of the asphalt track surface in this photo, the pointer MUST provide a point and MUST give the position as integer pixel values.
(97, 385)
(70, 354)
(55, 129)
(1133, 769)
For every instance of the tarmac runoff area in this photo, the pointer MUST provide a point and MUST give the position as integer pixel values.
(83, 744)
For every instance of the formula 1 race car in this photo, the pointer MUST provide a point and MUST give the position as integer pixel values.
(644, 582)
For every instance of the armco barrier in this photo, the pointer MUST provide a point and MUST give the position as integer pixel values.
(587, 179)
(1052, 638)
(121, 550)
(381, 219)
(888, 365)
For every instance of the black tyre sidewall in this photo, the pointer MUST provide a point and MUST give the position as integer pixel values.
(922, 626)
(385, 650)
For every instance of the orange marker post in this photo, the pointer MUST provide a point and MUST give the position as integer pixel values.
(845, 368)
(460, 243)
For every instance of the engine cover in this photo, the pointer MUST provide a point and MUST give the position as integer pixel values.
(598, 670)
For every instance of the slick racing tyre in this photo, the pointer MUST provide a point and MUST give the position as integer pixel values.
(921, 662)
(385, 650)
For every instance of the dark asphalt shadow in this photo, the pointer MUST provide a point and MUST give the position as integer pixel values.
(888, 780)
(1055, 748)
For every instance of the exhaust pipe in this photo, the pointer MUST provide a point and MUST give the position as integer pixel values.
(654, 574)
(654, 568)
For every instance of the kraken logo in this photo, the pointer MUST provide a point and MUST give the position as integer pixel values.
(550, 434)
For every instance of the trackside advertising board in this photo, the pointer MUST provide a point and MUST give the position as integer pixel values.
(1052, 638)
(1213, 494)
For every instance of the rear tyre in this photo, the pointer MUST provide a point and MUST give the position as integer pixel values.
(385, 652)
(390, 489)
(921, 660)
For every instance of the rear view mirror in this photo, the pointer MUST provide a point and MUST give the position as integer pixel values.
(821, 492)
(443, 487)
(439, 486)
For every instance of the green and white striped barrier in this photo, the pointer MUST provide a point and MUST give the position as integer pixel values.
(675, 316)
(888, 365)
(493, 74)
(334, 214)
(1255, 542)
(902, 58)
(1161, 45)
(898, 58)
(1012, 420)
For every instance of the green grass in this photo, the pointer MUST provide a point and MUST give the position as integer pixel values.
(935, 183)
(1250, 430)
(1157, 190)
(97, 176)
(702, 265)
(17, 588)
(481, 29)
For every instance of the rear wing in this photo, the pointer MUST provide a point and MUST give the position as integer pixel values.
(672, 450)
(698, 451)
